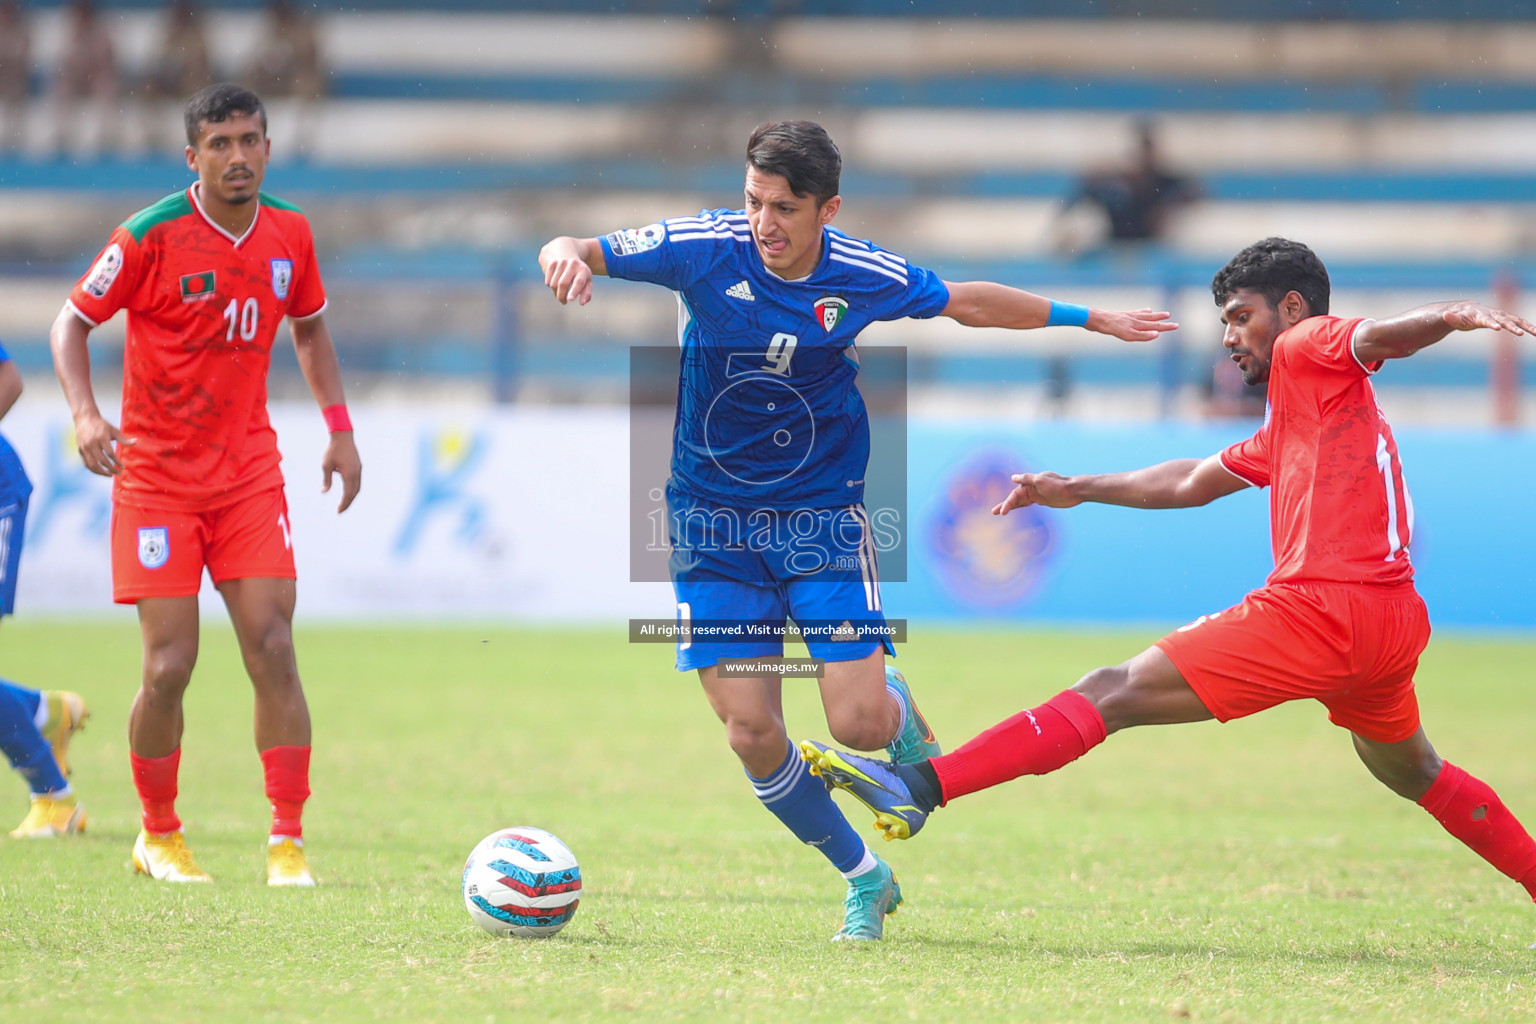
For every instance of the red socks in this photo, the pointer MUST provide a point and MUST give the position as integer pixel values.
(1033, 742)
(287, 771)
(287, 777)
(155, 779)
(1473, 813)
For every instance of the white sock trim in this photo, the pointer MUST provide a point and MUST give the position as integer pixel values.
(40, 716)
(277, 840)
(866, 864)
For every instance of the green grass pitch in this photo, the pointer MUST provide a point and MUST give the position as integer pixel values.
(1251, 872)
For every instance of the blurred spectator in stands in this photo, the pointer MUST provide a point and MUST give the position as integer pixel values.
(15, 75)
(286, 72)
(1135, 201)
(180, 67)
(86, 88)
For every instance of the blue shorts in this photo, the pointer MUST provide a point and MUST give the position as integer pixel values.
(741, 574)
(13, 530)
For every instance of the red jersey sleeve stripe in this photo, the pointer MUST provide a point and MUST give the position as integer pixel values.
(310, 316)
(1355, 337)
(69, 304)
(1223, 460)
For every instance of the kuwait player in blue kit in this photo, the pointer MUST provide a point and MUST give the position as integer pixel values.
(765, 500)
(34, 727)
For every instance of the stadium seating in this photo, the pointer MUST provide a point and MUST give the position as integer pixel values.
(1401, 144)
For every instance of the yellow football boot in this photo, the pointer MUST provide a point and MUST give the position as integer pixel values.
(51, 816)
(286, 863)
(66, 716)
(166, 858)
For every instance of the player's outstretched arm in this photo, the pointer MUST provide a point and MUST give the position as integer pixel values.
(1182, 483)
(322, 371)
(95, 438)
(568, 264)
(988, 304)
(1401, 336)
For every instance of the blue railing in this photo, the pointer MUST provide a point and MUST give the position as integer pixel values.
(1249, 10)
(153, 177)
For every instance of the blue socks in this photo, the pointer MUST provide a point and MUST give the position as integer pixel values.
(22, 742)
(802, 803)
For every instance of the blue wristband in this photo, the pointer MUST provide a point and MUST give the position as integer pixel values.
(1065, 314)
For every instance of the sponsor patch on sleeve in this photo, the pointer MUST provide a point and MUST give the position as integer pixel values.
(633, 240)
(99, 281)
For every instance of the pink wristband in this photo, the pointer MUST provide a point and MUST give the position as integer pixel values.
(336, 418)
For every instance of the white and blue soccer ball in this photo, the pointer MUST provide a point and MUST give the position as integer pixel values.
(522, 881)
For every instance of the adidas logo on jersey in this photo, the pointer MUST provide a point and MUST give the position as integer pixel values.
(741, 290)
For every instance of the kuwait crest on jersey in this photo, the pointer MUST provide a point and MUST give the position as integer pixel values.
(282, 277)
(198, 287)
(830, 310)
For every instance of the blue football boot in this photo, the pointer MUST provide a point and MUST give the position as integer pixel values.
(915, 741)
(875, 784)
(871, 896)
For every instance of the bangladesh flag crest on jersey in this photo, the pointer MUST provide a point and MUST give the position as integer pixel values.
(197, 287)
(830, 310)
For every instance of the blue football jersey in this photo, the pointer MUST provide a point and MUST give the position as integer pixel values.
(13, 478)
(768, 414)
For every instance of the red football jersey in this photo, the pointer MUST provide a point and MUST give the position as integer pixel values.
(1339, 507)
(203, 310)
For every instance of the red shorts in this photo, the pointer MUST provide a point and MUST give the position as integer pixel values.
(160, 553)
(1353, 648)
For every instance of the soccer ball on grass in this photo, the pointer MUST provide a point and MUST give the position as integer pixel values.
(521, 881)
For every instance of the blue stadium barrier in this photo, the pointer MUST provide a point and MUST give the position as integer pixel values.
(1023, 92)
(506, 355)
(152, 177)
(1250, 10)
(1096, 563)
(988, 91)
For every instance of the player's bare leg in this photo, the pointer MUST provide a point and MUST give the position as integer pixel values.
(261, 609)
(1408, 768)
(1147, 690)
(752, 711)
(869, 706)
(168, 626)
(860, 711)
(1467, 807)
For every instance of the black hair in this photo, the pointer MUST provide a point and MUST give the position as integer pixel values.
(1274, 268)
(219, 103)
(799, 151)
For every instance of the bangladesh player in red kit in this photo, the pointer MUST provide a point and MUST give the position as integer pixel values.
(1338, 621)
(207, 275)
